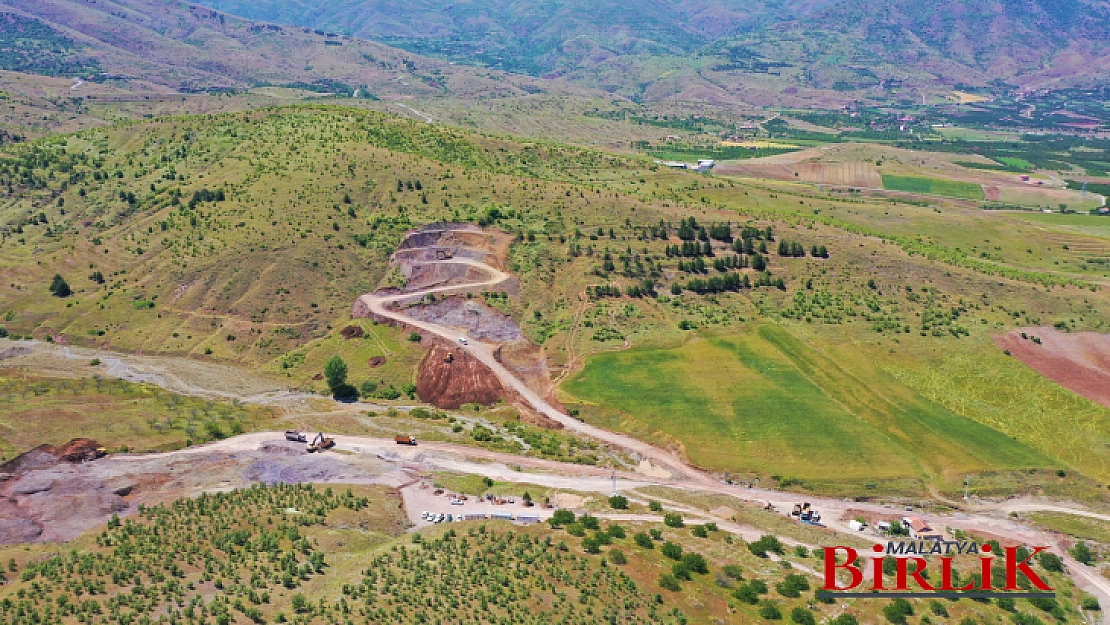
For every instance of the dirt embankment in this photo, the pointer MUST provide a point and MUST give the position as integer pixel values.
(449, 378)
(528, 362)
(1079, 362)
(466, 380)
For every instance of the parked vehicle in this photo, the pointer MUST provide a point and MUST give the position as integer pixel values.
(404, 440)
(295, 436)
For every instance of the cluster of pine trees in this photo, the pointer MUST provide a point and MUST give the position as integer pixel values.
(797, 250)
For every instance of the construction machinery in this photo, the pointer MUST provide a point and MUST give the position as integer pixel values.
(404, 440)
(450, 358)
(320, 443)
(295, 436)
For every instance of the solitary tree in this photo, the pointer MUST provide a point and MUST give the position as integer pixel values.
(335, 372)
(59, 287)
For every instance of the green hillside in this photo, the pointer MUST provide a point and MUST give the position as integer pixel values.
(245, 238)
(306, 555)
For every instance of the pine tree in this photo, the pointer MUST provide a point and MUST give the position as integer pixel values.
(59, 287)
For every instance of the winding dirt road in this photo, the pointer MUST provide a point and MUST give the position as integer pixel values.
(484, 352)
(985, 518)
(683, 475)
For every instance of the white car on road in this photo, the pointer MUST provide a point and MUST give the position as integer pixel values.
(463, 341)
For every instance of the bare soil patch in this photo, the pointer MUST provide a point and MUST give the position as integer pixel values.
(1079, 362)
(352, 332)
(450, 377)
(45, 498)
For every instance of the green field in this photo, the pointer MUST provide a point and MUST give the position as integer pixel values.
(998, 391)
(761, 400)
(933, 186)
(1015, 163)
(1075, 525)
(119, 415)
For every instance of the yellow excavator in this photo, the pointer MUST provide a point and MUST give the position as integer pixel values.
(320, 443)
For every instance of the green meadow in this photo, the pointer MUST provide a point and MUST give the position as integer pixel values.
(933, 186)
(760, 400)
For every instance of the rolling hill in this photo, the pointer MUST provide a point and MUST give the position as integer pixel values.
(244, 238)
(728, 52)
(528, 37)
(1000, 43)
(165, 45)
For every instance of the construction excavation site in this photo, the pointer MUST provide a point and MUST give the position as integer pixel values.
(474, 354)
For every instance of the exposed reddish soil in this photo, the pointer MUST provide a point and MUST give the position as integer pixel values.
(1079, 362)
(352, 332)
(78, 449)
(376, 361)
(449, 378)
(463, 379)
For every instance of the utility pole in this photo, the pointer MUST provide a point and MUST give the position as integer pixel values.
(967, 487)
(614, 482)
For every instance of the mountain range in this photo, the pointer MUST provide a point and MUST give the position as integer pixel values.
(757, 52)
(974, 43)
(176, 46)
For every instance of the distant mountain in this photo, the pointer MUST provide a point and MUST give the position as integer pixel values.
(529, 36)
(725, 51)
(971, 42)
(166, 44)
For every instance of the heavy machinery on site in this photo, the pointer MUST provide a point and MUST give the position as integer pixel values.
(320, 443)
(404, 440)
(806, 514)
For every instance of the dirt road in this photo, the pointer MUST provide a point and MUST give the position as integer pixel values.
(183, 375)
(484, 352)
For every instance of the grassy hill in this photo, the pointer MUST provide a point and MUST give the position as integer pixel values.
(854, 44)
(528, 37)
(724, 51)
(160, 44)
(244, 239)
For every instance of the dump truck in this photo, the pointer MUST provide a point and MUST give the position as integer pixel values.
(295, 436)
(320, 443)
(404, 440)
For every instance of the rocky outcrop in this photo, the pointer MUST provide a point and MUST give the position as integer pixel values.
(44, 497)
(479, 320)
(449, 378)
